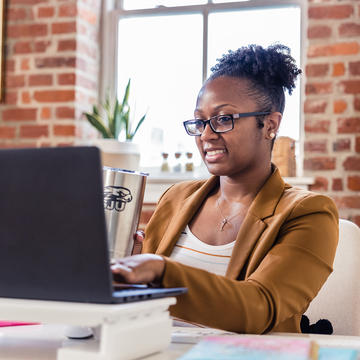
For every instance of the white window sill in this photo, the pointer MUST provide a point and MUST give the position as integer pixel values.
(158, 182)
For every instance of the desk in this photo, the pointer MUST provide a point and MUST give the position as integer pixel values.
(40, 342)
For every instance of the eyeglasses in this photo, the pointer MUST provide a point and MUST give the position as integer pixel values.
(218, 123)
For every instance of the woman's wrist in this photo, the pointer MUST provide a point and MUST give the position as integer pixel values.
(159, 270)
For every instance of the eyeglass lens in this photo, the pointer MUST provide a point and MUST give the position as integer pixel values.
(219, 123)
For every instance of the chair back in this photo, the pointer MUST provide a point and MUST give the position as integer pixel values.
(339, 298)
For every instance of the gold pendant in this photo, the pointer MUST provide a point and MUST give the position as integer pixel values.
(223, 223)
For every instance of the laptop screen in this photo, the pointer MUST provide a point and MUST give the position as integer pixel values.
(52, 226)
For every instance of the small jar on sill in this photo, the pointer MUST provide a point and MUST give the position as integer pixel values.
(189, 165)
(165, 164)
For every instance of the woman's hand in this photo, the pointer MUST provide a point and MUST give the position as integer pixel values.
(138, 269)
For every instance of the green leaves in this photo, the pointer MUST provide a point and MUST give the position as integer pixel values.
(114, 117)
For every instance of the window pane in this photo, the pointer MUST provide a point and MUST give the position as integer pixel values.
(163, 57)
(227, 1)
(231, 30)
(147, 4)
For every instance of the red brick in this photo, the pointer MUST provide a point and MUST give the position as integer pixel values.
(67, 144)
(18, 114)
(317, 126)
(88, 16)
(45, 113)
(347, 202)
(321, 184)
(352, 163)
(22, 47)
(317, 70)
(330, 12)
(357, 144)
(350, 86)
(318, 88)
(64, 112)
(87, 49)
(14, 81)
(10, 97)
(338, 69)
(14, 145)
(64, 130)
(355, 219)
(357, 104)
(337, 184)
(63, 27)
(25, 97)
(348, 125)
(9, 65)
(354, 68)
(348, 48)
(45, 144)
(353, 183)
(41, 46)
(25, 64)
(54, 95)
(85, 83)
(27, 2)
(40, 80)
(34, 131)
(145, 216)
(67, 45)
(46, 12)
(68, 10)
(341, 145)
(314, 106)
(319, 31)
(26, 30)
(349, 29)
(66, 79)
(14, 14)
(7, 132)
(320, 163)
(339, 106)
(316, 146)
(55, 62)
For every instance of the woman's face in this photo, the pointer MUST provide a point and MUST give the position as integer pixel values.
(242, 149)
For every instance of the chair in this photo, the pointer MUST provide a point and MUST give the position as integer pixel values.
(339, 298)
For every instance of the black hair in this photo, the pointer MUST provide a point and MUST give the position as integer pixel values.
(270, 71)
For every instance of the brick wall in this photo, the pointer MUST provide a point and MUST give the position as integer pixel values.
(332, 102)
(51, 70)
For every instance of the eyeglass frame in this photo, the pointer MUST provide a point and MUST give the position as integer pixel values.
(233, 116)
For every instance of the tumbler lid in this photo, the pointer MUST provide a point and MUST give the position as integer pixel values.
(125, 171)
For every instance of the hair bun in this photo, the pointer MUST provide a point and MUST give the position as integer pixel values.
(269, 67)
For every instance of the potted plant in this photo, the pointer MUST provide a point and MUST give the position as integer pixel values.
(112, 120)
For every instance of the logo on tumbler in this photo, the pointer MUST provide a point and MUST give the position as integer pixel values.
(116, 197)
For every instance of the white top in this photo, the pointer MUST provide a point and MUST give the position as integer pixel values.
(191, 251)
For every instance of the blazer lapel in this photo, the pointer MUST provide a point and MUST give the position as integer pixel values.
(188, 208)
(253, 225)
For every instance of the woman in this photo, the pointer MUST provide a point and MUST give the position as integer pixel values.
(252, 250)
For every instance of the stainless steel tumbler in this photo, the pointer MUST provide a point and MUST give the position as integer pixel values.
(123, 198)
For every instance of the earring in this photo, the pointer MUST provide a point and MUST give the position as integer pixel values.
(272, 135)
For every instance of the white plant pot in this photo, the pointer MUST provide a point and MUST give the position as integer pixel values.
(118, 154)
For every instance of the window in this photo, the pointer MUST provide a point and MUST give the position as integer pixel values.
(167, 49)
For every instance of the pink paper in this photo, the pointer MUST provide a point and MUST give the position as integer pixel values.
(13, 323)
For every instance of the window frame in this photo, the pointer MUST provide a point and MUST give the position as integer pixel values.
(113, 11)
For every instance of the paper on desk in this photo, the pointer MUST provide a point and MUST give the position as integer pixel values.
(13, 323)
(238, 347)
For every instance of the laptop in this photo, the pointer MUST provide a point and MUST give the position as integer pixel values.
(53, 238)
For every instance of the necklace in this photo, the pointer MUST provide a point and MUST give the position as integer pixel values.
(225, 219)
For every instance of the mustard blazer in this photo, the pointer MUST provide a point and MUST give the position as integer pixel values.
(283, 254)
